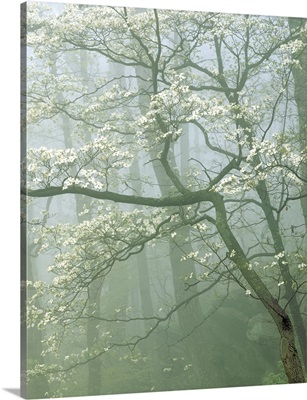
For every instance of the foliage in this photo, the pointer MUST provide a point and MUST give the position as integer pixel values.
(276, 378)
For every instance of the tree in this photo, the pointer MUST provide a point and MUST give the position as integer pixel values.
(227, 82)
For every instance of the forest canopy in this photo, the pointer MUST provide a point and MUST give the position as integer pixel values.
(164, 199)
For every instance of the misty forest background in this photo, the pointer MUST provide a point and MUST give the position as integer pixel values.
(164, 200)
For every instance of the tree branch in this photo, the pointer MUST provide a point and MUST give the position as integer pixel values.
(181, 200)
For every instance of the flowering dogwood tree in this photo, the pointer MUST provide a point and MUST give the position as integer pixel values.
(225, 83)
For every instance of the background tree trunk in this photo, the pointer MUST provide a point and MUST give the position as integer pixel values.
(300, 82)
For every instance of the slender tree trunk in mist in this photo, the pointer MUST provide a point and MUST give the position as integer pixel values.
(152, 346)
(39, 386)
(94, 366)
(300, 82)
(191, 316)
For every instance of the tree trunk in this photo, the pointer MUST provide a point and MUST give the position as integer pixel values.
(273, 225)
(191, 316)
(300, 93)
(288, 352)
(299, 324)
(153, 348)
(92, 337)
(94, 366)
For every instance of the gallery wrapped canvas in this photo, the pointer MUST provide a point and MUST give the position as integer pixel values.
(163, 200)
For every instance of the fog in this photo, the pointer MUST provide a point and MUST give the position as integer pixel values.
(163, 200)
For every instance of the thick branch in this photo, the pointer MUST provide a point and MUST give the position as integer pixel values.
(181, 200)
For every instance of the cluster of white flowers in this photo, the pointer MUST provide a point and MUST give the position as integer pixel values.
(289, 52)
(134, 357)
(178, 104)
(265, 158)
(302, 266)
(201, 227)
(230, 185)
(280, 255)
(96, 162)
(201, 259)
